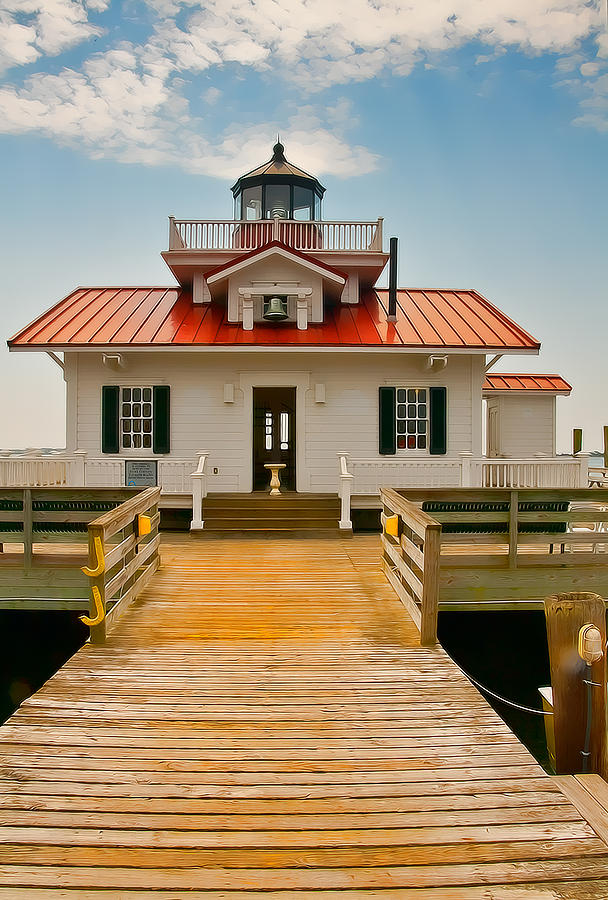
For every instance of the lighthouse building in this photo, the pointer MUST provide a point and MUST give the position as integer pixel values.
(275, 348)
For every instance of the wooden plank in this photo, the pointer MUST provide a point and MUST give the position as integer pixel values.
(430, 596)
(137, 562)
(27, 529)
(117, 519)
(392, 551)
(406, 599)
(413, 551)
(264, 723)
(414, 517)
(513, 528)
(581, 793)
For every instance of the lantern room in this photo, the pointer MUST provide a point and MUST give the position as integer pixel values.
(277, 190)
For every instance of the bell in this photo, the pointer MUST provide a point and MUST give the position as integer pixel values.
(276, 310)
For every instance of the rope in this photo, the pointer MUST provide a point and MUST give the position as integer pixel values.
(528, 709)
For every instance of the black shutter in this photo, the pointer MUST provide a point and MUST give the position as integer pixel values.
(110, 395)
(438, 417)
(162, 419)
(388, 443)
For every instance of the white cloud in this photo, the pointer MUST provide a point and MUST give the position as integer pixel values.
(129, 102)
(30, 29)
(321, 43)
(212, 95)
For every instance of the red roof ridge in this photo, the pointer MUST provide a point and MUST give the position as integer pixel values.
(283, 246)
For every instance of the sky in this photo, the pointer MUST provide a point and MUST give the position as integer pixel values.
(477, 128)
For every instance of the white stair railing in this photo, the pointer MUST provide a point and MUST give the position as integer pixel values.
(199, 492)
(346, 483)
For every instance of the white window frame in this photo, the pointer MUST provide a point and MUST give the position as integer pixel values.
(136, 451)
(399, 418)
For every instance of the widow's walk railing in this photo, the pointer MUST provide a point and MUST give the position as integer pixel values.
(227, 234)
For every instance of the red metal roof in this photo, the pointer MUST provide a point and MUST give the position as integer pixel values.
(161, 316)
(554, 384)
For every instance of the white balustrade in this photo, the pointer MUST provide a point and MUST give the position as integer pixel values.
(369, 475)
(227, 234)
(556, 472)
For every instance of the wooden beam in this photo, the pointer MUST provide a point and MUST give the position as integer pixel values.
(513, 528)
(430, 588)
(565, 615)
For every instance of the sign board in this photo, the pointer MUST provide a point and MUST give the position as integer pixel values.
(140, 472)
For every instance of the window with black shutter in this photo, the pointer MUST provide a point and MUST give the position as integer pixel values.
(136, 417)
(413, 419)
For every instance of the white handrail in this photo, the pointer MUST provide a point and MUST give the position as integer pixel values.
(346, 484)
(199, 491)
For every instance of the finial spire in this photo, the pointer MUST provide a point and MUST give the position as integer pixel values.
(278, 151)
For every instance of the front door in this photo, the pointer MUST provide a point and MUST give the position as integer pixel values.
(274, 435)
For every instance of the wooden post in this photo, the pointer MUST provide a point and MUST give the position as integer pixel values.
(98, 632)
(565, 615)
(577, 440)
(430, 586)
(28, 537)
(605, 432)
(513, 528)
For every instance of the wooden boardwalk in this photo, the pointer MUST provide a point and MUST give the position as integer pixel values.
(264, 723)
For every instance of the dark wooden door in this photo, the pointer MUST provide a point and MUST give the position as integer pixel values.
(274, 435)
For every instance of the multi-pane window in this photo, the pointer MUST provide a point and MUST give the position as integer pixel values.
(136, 412)
(412, 415)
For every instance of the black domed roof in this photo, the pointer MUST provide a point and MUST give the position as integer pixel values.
(278, 168)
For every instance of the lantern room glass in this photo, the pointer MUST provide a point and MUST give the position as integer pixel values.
(303, 208)
(252, 203)
(279, 200)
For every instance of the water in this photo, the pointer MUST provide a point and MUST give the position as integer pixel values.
(33, 646)
(507, 652)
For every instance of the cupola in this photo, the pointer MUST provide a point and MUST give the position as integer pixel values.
(277, 190)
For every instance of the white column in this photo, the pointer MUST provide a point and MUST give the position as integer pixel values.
(248, 313)
(199, 492)
(302, 312)
(79, 473)
(346, 482)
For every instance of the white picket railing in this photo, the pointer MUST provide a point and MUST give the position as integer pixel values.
(34, 468)
(227, 234)
(532, 473)
(366, 476)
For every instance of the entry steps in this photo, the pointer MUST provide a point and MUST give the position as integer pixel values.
(260, 511)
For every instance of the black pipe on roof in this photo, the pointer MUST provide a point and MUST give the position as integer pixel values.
(392, 281)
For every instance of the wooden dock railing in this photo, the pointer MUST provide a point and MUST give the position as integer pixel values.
(123, 557)
(470, 549)
(411, 561)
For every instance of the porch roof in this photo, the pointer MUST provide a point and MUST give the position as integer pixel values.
(140, 317)
(544, 384)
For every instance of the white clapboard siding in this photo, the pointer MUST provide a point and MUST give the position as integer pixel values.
(348, 420)
(526, 426)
